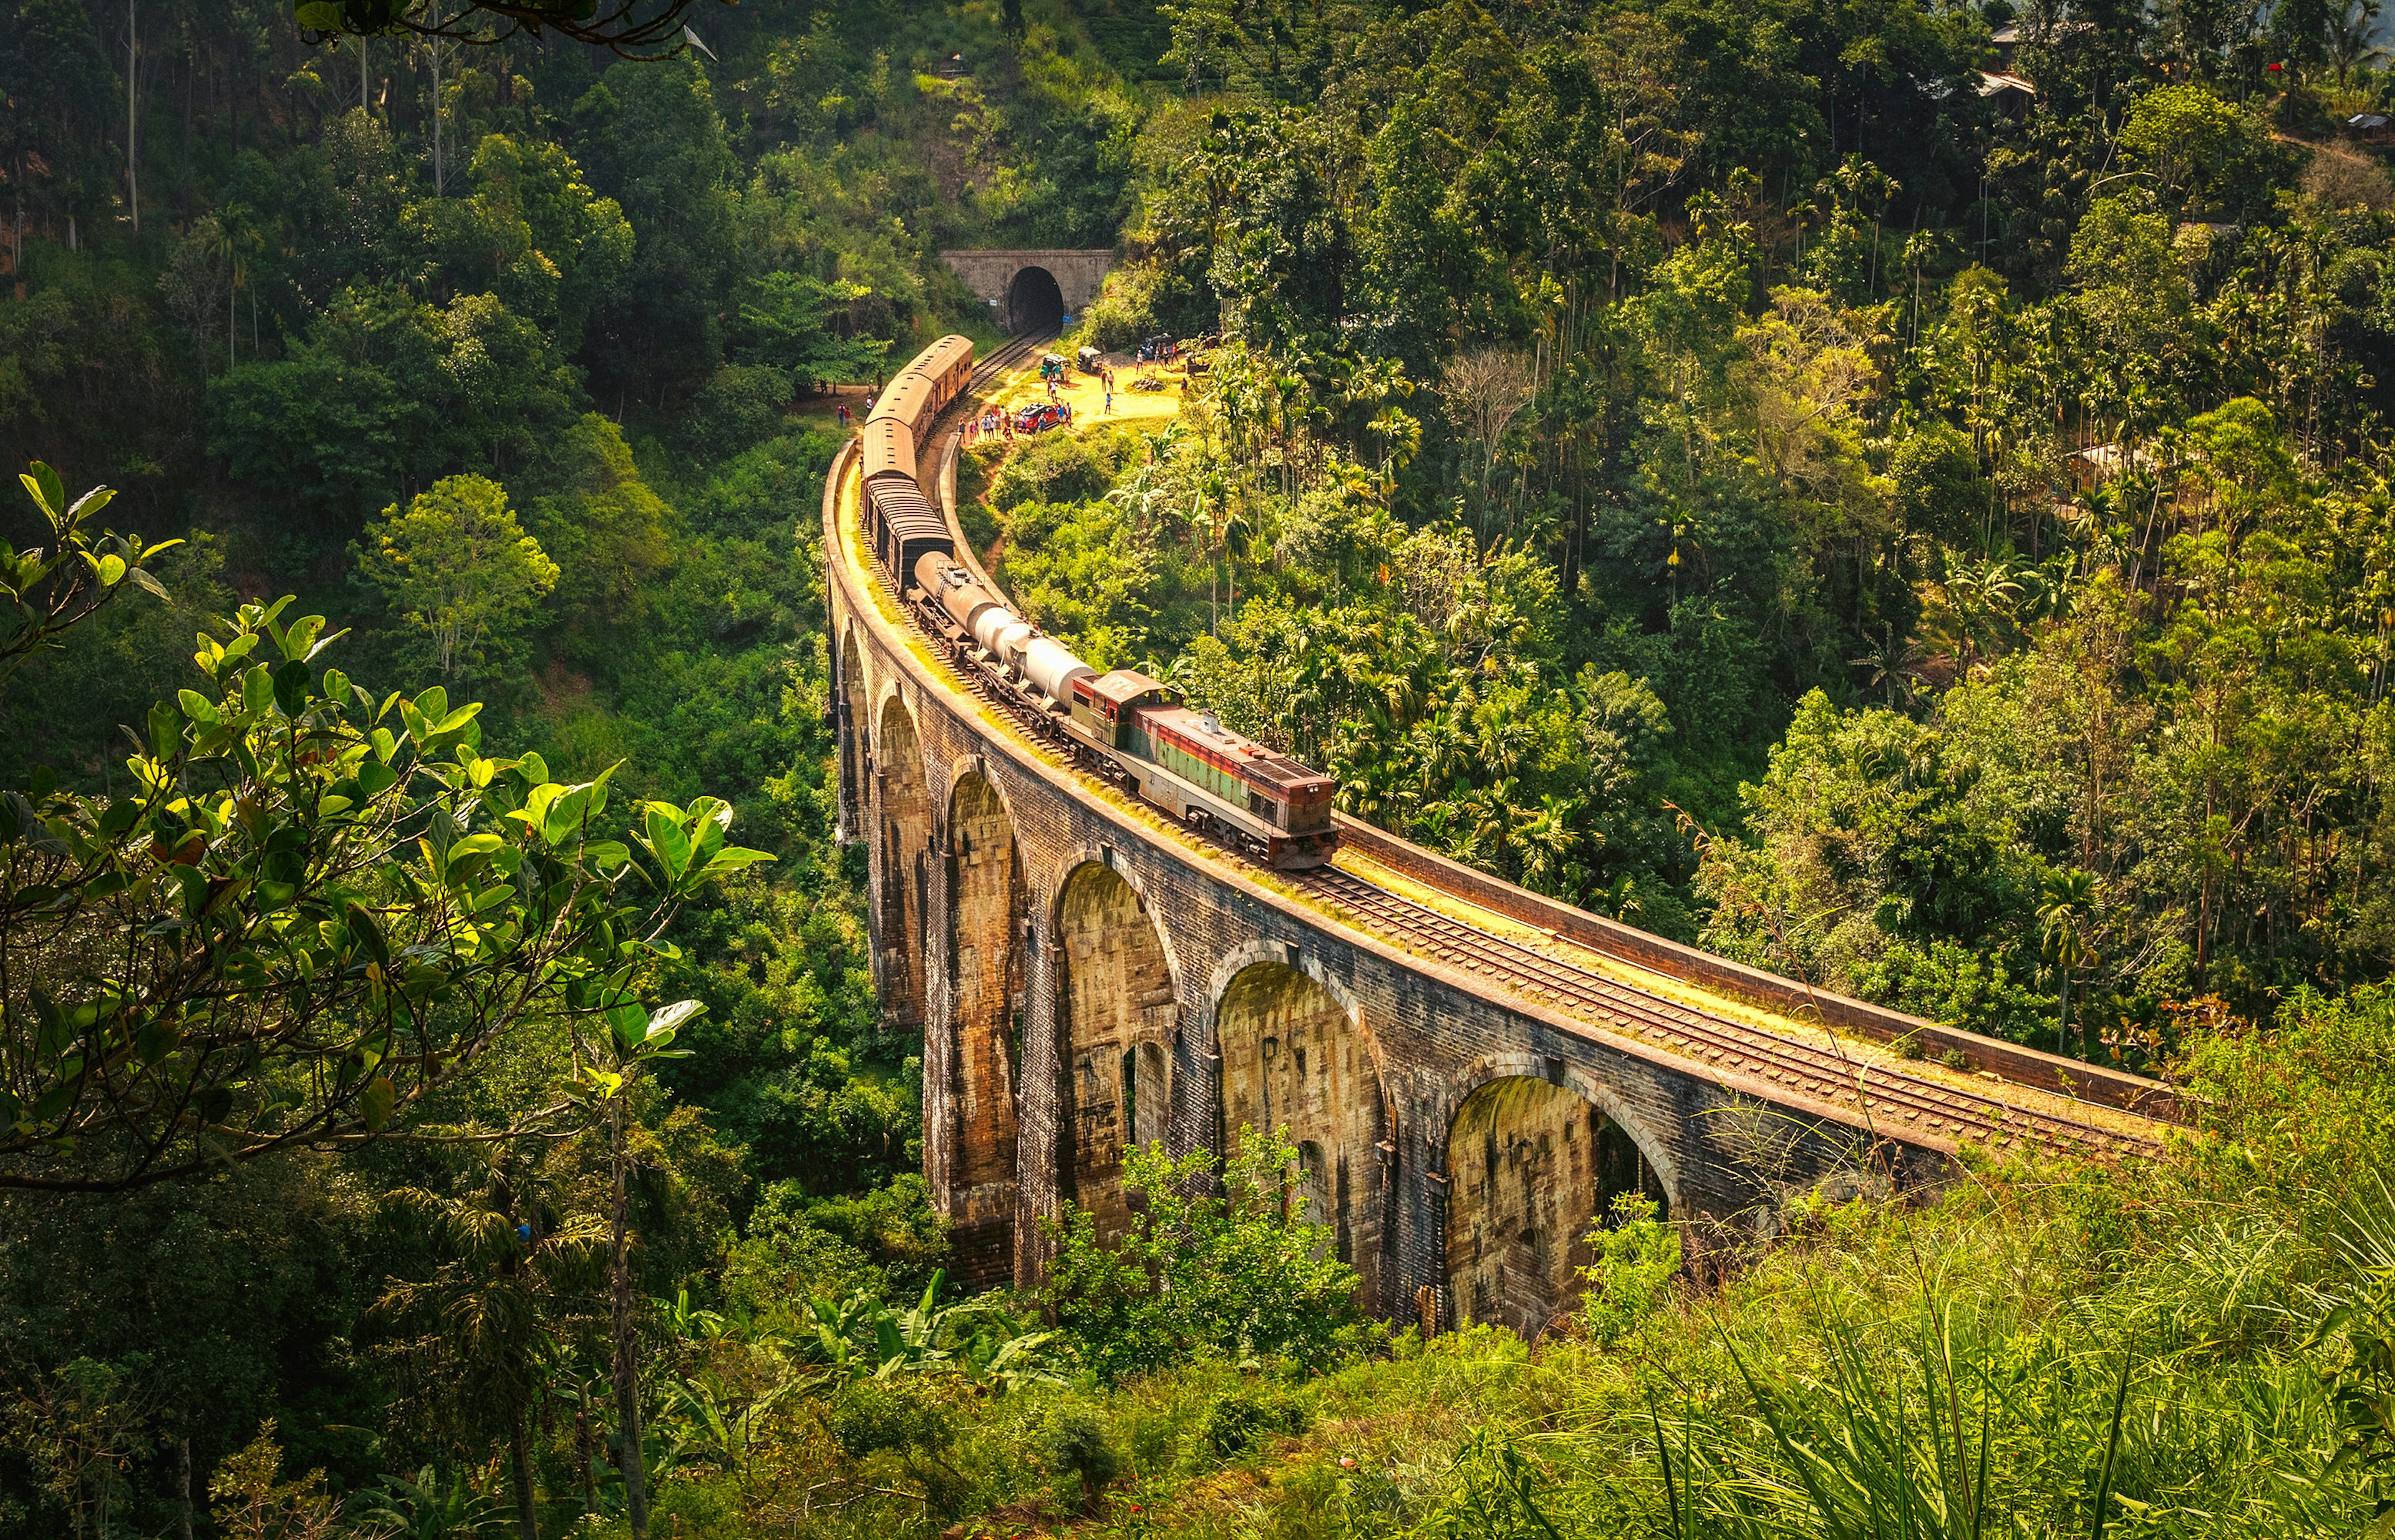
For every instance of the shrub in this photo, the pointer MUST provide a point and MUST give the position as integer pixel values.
(1241, 1274)
(1245, 1416)
(1637, 1256)
(1052, 468)
(869, 1416)
(1074, 1443)
(740, 406)
(1124, 311)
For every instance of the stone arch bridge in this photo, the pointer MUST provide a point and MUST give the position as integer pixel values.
(1471, 1073)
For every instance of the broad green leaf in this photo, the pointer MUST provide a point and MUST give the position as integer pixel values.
(257, 690)
(566, 814)
(375, 1103)
(291, 683)
(629, 1023)
(155, 1040)
(47, 490)
(666, 842)
(732, 858)
(165, 730)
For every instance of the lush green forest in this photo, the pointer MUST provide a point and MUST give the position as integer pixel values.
(1745, 469)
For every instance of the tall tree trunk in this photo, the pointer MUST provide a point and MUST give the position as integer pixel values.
(582, 1450)
(183, 1489)
(520, 1466)
(132, 121)
(630, 1457)
(440, 185)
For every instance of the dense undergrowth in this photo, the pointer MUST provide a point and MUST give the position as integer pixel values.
(2183, 1345)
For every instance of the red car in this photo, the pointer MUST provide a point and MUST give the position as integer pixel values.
(1039, 419)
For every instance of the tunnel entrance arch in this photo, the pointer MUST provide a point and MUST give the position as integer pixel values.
(902, 840)
(1532, 1167)
(1294, 1057)
(1034, 302)
(987, 910)
(1118, 1005)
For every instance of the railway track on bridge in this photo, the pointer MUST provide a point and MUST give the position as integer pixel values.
(1878, 1089)
(1875, 1089)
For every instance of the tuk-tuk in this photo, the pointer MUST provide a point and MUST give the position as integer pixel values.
(1089, 358)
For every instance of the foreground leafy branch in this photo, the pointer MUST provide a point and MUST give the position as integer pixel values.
(636, 29)
(47, 589)
(313, 911)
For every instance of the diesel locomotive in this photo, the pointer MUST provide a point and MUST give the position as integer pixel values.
(1121, 727)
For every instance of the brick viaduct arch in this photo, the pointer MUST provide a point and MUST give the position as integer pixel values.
(1086, 979)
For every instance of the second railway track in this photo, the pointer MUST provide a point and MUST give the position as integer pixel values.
(1016, 349)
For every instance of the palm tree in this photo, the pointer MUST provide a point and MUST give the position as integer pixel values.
(1546, 841)
(2351, 38)
(1894, 665)
(2063, 920)
(484, 1322)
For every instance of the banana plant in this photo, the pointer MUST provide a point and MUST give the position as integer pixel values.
(430, 1507)
(862, 1337)
(702, 1420)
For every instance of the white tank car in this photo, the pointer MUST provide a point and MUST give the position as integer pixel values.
(1052, 668)
(965, 601)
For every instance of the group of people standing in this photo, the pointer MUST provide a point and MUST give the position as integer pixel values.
(990, 424)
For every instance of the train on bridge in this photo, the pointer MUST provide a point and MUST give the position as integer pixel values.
(1122, 726)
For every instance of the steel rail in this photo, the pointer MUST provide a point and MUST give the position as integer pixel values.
(1890, 1099)
(1015, 349)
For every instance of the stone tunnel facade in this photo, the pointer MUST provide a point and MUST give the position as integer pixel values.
(1004, 278)
(1085, 982)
